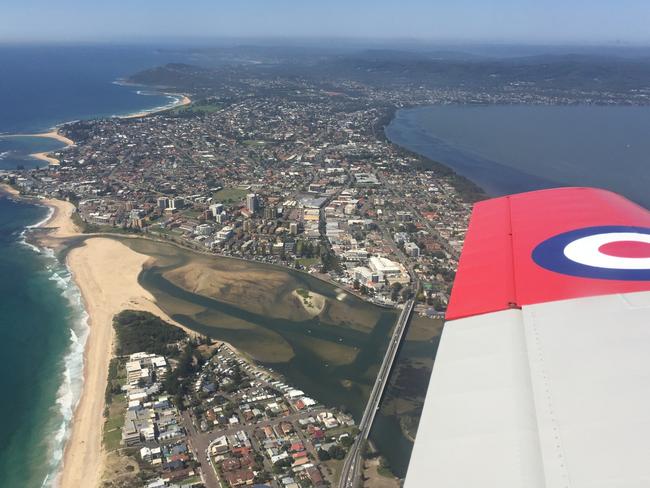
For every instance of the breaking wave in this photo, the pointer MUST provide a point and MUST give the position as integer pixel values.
(72, 364)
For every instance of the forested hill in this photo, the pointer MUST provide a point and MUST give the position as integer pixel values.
(386, 68)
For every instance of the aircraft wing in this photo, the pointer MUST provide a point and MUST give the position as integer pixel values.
(542, 376)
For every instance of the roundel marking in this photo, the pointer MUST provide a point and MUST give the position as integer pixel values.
(626, 249)
(604, 252)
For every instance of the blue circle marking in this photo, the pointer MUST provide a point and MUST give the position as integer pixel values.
(550, 255)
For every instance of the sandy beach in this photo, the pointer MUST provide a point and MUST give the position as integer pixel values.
(59, 226)
(106, 272)
(185, 100)
(9, 190)
(53, 134)
(44, 156)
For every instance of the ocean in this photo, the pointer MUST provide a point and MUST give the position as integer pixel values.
(514, 148)
(42, 320)
(41, 87)
(42, 332)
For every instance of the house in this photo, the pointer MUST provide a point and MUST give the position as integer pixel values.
(219, 445)
(146, 454)
(230, 464)
(239, 477)
(297, 447)
(314, 475)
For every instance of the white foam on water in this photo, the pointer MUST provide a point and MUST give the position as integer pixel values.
(23, 234)
(71, 385)
(50, 212)
(174, 100)
(72, 364)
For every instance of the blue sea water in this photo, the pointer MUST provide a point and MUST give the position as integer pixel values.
(42, 321)
(42, 333)
(514, 148)
(41, 87)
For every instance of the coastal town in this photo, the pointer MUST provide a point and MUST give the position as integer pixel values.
(294, 171)
(288, 171)
(305, 180)
(301, 177)
(260, 430)
(205, 414)
(324, 245)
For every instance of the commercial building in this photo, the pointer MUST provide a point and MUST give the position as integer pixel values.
(251, 202)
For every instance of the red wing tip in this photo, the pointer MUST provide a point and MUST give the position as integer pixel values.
(516, 250)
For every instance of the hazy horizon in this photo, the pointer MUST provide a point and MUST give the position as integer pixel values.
(475, 21)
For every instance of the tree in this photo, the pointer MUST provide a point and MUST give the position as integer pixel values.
(261, 477)
(394, 291)
(406, 293)
(336, 452)
(323, 455)
(347, 441)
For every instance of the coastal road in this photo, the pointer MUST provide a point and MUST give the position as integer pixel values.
(353, 464)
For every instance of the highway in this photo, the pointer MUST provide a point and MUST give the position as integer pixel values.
(353, 463)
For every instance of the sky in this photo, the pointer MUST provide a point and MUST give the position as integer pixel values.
(528, 21)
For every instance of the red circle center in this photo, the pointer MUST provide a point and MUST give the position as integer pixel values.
(626, 249)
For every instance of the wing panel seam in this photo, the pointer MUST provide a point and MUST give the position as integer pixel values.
(543, 400)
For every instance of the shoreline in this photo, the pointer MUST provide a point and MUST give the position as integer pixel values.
(55, 133)
(9, 190)
(105, 272)
(471, 190)
(183, 101)
(52, 134)
(46, 239)
(45, 155)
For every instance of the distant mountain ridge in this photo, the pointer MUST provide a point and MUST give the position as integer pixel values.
(436, 69)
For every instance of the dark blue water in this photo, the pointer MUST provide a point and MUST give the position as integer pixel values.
(510, 149)
(42, 331)
(44, 86)
(41, 87)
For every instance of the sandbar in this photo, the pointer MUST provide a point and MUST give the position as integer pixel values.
(44, 156)
(106, 272)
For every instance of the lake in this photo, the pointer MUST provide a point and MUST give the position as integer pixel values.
(515, 148)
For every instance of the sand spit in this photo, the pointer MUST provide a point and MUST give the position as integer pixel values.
(106, 272)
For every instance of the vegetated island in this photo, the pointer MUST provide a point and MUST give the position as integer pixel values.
(313, 303)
